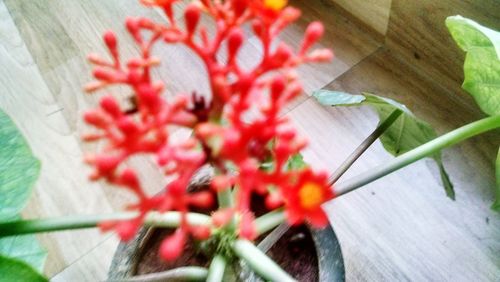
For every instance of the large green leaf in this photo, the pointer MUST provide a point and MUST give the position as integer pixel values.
(18, 169)
(16, 270)
(24, 248)
(405, 134)
(18, 172)
(482, 62)
(496, 204)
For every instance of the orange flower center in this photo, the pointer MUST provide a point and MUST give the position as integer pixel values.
(311, 195)
(275, 5)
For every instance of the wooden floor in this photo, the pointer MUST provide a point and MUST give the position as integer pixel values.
(399, 228)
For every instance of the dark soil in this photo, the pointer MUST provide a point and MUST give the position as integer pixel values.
(295, 252)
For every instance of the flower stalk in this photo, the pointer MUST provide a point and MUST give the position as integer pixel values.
(427, 149)
(269, 221)
(216, 270)
(259, 262)
(381, 128)
(168, 219)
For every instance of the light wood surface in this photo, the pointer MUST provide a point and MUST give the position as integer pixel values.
(399, 228)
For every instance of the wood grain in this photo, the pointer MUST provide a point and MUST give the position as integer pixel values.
(402, 227)
(44, 46)
(425, 43)
(373, 13)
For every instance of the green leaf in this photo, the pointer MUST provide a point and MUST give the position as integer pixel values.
(405, 134)
(296, 162)
(18, 169)
(24, 248)
(336, 98)
(482, 62)
(15, 270)
(496, 204)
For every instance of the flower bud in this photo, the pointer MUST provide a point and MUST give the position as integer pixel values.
(127, 125)
(126, 230)
(313, 33)
(192, 16)
(282, 54)
(277, 86)
(109, 104)
(203, 199)
(234, 41)
(110, 40)
(97, 59)
(172, 246)
(222, 217)
(201, 232)
(96, 118)
(129, 178)
(247, 227)
(105, 74)
(105, 164)
(273, 200)
(320, 55)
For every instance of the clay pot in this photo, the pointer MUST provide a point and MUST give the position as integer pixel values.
(306, 254)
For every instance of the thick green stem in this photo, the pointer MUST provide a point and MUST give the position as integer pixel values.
(259, 262)
(216, 270)
(188, 273)
(418, 153)
(269, 221)
(168, 219)
(381, 128)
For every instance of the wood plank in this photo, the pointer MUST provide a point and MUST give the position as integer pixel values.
(403, 227)
(93, 266)
(27, 99)
(424, 42)
(373, 13)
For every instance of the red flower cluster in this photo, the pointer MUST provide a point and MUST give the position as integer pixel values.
(224, 135)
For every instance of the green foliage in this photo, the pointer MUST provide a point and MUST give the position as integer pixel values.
(482, 62)
(405, 134)
(496, 204)
(15, 270)
(19, 169)
(481, 69)
(24, 248)
(296, 162)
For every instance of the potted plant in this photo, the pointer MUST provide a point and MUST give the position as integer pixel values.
(258, 181)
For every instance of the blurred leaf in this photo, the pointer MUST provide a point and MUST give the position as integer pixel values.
(296, 162)
(482, 62)
(405, 134)
(25, 248)
(15, 270)
(18, 169)
(496, 204)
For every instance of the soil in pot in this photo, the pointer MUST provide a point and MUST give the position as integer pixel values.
(294, 252)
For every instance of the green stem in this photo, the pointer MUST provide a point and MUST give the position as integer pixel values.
(225, 198)
(269, 221)
(381, 128)
(216, 270)
(188, 273)
(418, 153)
(259, 262)
(168, 219)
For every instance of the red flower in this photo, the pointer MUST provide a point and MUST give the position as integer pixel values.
(224, 135)
(304, 199)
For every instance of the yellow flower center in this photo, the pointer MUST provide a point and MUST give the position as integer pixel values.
(311, 195)
(275, 4)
